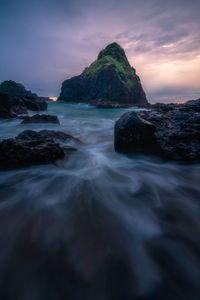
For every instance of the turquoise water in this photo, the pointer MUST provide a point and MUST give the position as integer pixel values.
(98, 225)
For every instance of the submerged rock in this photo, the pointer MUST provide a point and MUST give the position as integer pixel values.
(17, 97)
(169, 131)
(110, 78)
(40, 119)
(31, 148)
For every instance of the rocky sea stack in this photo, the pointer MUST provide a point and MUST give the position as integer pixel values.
(109, 79)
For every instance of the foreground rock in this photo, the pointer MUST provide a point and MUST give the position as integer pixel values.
(15, 99)
(169, 131)
(40, 119)
(109, 79)
(31, 148)
(59, 136)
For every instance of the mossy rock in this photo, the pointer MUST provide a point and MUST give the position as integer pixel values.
(11, 87)
(109, 78)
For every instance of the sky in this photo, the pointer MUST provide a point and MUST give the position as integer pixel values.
(44, 42)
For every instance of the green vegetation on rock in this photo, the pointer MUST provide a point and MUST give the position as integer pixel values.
(109, 78)
(113, 55)
(116, 51)
(123, 71)
(9, 86)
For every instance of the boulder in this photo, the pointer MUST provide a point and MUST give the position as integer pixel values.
(31, 148)
(133, 134)
(169, 131)
(110, 78)
(40, 119)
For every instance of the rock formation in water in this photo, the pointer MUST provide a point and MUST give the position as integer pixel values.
(109, 79)
(31, 148)
(40, 119)
(15, 100)
(11, 106)
(170, 131)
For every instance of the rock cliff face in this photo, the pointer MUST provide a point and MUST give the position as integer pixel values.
(109, 79)
(15, 99)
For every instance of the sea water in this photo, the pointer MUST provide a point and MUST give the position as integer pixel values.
(98, 225)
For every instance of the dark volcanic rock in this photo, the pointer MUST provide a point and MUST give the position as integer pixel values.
(172, 132)
(33, 102)
(11, 106)
(18, 97)
(59, 136)
(106, 104)
(31, 148)
(191, 105)
(28, 150)
(109, 79)
(134, 134)
(40, 119)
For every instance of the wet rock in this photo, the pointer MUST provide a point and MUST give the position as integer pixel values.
(106, 104)
(40, 119)
(15, 100)
(11, 106)
(33, 102)
(31, 148)
(173, 132)
(133, 134)
(59, 136)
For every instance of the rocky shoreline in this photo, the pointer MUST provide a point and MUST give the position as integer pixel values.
(107, 104)
(16, 100)
(169, 131)
(32, 148)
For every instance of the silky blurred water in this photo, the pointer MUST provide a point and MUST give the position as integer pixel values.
(98, 225)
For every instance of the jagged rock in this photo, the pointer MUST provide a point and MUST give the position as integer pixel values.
(18, 97)
(109, 79)
(59, 136)
(191, 105)
(35, 103)
(172, 132)
(11, 106)
(40, 119)
(31, 148)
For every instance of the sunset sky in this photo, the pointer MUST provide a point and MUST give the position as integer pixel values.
(44, 42)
